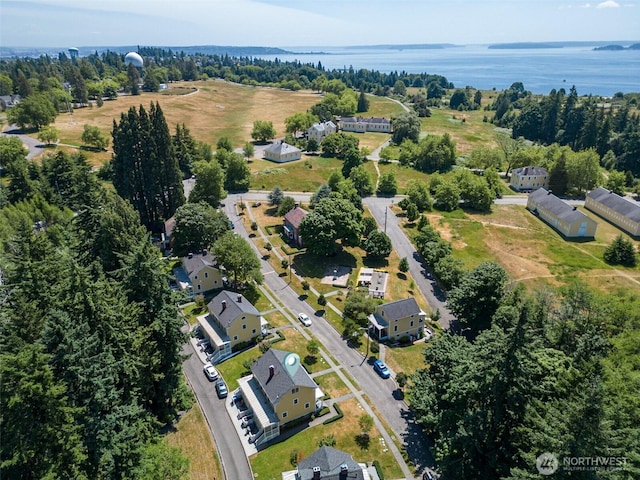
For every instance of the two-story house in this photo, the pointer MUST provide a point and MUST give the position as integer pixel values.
(199, 274)
(318, 131)
(232, 320)
(528, 179)
(394, 320)
(282, 152)
(362, 124)
(278, 391)
(615, 209)
(292, 220)
(327, 463)
(566, 219)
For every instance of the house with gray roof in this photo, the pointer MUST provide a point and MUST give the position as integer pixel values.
(319, 130)
(327, 463)
(232, 321)
(564, 218)
(362, 124)
(278, 391)
(528, 179)
(281, 152)
(8, 101)
(623, 213)
(395, 320)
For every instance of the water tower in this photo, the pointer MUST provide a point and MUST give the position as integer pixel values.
(134, 58)
(73, 53)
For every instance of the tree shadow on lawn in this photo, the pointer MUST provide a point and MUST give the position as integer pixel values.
(375, 262)
(314, 266)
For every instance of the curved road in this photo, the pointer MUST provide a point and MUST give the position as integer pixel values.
(34, 146)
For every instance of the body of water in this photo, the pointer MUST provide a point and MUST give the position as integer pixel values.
(540, 70)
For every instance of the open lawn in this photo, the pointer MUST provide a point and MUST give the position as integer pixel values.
(268, 464)
(215, 109)
(192, 436)
(332, 385)
(406, 359)
(304, 175)
(381, 107)
(530, 250)
(403, 174)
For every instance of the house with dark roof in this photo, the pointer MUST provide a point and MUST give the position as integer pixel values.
(167, 232)
(394, 320)
(319, 130)
(623, 213)
(564, 218)
(361, 124)
(292, 220)
(8, 101)
(281, 152)
(199, 274)
(278, 391)
(528, 179)
(327, 463)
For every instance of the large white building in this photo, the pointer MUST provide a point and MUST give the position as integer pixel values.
(528, 179)
(318, 131)
(282, 152)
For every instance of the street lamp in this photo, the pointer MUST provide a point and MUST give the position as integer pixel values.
(289, 268)
(366, 330)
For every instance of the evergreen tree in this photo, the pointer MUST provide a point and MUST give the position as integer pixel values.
(621, 252)
(363, 102)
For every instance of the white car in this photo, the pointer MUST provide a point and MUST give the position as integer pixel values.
(210, 371)
(427, 333)
(304, 318)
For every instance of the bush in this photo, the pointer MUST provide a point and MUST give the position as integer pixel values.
(375, 347)
(337, 417)
(293, 457)
(376, 465)
(305, 285)
(322, 300)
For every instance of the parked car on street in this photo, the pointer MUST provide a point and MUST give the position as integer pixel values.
(304, 318)
(221, 389)
(210, 371)
(381, 369)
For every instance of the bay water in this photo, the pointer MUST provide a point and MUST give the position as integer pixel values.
(602, 72)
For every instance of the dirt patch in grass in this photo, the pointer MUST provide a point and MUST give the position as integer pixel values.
(193, 437)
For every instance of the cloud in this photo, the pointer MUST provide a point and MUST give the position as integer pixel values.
(586, 5)
(608, 4)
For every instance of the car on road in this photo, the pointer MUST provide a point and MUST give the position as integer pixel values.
(381, 369)
(221, 389)
(210, 371)
(304, 318)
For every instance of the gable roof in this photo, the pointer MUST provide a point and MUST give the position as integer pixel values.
(295, 216)
(399, 309)
(365, 120)
(281, 382)
(330, 461)
(235, 304)
(616, 202)
(557, 207)
(195, 262)
(281, 148)
(322, 126)
(529, 170)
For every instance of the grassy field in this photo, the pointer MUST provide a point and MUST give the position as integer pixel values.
(331, 384)
(271, 462)
(192, 436)
(304, 175)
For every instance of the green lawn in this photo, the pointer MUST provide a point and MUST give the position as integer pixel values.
(332, 385)
(271, 462)
(304, 175)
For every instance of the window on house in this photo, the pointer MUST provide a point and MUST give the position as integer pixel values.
(196, 277)
(285, 414)
(307, 405)
(295, 401)
(412, 323)
(244, 326)
(253, 331)
(206, 274)
(244, 318)
(295, 390)
(199, 287)
(395, 328)
(235, 337)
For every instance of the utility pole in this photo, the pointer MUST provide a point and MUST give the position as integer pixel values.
(385, 219)
(290, 268)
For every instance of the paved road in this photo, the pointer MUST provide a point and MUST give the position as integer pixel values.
(234, 462)
(381, 393)
(34, 146)
(421, 274)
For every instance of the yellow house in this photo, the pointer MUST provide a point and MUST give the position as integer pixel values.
(567, 220)
(528, 179)
(279, 391)
(202, 272)
(615, 209)
(394, 320)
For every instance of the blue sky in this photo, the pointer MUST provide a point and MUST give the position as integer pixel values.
(285, 23)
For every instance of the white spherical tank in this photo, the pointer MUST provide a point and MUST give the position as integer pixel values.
(133, 57)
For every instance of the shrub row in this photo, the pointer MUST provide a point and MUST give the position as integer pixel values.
(337, 417)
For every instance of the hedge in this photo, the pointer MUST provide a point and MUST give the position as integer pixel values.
(337, 417)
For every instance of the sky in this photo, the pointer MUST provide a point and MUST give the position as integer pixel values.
(288, 23)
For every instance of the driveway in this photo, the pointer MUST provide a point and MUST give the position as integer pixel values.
(34, 146)
(234, 462)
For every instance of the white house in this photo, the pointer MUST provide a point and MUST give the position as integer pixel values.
(361, 124)
(282, 152)
(528, 179)
(318, 131)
